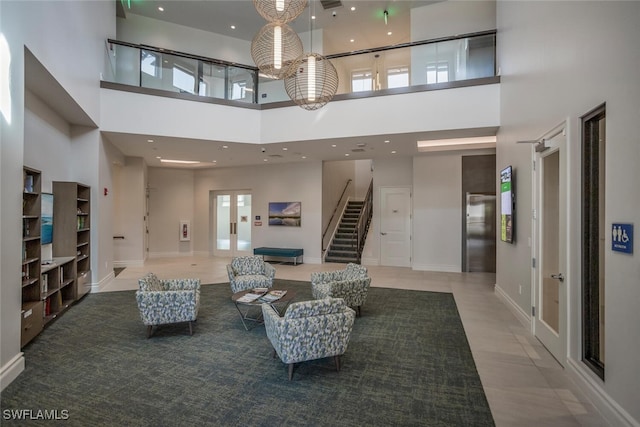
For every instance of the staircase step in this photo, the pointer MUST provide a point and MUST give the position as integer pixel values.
(340, 259)
(348, 247)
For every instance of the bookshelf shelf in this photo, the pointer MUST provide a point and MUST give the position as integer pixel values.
(31, 314)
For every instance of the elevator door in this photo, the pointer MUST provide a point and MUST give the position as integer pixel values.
(480, 233)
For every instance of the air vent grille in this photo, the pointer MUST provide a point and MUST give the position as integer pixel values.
(276, 156)
(330, 4)
(358, 150)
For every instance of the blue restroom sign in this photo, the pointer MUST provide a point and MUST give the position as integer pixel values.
(622, 238)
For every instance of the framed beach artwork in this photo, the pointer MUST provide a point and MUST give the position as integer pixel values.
(285, 214)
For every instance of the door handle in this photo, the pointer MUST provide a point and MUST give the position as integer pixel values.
(558, 276)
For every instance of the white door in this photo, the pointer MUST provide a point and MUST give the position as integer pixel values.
(231, 223)
(550, 245)
(395, 226)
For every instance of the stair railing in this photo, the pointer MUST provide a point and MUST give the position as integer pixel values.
(333, 215)
(364, 220)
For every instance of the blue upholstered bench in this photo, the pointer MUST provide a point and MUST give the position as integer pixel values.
(295, 254)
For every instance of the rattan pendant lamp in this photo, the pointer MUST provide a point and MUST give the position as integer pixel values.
(314, 80)
(276, 46)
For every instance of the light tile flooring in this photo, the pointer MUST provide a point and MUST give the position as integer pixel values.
(524, 385)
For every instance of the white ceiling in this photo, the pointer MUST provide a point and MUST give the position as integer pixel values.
(365, 25)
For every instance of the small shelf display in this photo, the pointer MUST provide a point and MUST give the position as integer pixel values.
(72, 210)
(32, 305)
(57, 290)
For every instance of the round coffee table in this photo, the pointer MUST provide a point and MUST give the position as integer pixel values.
(251, 311)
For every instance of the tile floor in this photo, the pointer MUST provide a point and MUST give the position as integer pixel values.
(524, 385)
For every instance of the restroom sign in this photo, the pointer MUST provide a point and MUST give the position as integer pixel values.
(622, 238)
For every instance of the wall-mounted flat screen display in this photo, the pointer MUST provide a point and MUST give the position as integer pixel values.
(507, 205)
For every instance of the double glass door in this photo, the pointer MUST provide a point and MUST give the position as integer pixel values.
(231, 223)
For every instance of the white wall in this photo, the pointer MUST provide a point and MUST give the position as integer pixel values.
(299, 182)
(437, 184)
(171, 200)
(452, 17)
(80, 41)
(593, 59)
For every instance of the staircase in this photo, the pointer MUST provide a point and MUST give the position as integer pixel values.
(344, 246)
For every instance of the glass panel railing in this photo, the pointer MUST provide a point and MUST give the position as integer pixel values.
(412, 64)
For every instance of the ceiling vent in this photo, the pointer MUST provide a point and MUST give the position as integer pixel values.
(358, 150)
(330, 4)
(275, 156)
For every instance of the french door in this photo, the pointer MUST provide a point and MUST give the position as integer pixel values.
(231, 223)
(550, 222)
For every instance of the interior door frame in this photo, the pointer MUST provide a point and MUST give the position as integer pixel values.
(558, 348)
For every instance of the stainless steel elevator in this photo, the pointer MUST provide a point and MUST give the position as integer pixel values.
(480, 233)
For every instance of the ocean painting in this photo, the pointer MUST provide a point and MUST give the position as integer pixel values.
(46, 231)
(285, 213)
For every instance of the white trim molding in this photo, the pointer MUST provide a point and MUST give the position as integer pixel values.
(11, 370)
(513, 307)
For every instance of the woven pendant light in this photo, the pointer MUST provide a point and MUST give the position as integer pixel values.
(280, 11)
(274, 49)
(314, 82)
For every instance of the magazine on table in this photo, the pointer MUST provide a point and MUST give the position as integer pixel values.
(253, 294)
(273, 295)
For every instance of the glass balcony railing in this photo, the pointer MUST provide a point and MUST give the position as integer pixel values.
(417, 65)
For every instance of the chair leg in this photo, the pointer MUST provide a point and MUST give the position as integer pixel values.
(290, 371)
(358, 311)
(149, 331)
(337, 359)
(274, 353)
(190, 328)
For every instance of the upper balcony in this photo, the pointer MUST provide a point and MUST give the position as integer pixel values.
(452, 62)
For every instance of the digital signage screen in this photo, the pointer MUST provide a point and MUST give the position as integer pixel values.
(507, 205)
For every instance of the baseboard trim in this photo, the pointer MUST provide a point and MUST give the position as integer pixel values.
(608, 408)
(438, 267)
(98, 287)
(520, 314)
(124, 264)
(11, 370)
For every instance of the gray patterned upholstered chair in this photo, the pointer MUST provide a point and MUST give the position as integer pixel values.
(309, 330)
(247, 272)
(167, 301)
(351, 284)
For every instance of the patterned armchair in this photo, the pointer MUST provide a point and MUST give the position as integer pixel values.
(309, 330)
(247, 272)
(167, 301)
(351, 284)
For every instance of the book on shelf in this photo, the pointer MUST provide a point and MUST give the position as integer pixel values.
(273, 295)
(45, 283)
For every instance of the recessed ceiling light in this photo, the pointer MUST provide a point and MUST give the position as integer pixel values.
(214, 161)
(389, 33)
(158, 157)
(347, 155)
(386, 141)
(233, 27)
(265, 160)
(333, 145)
(161, 9)
(185, 162)
(352, 40)
(393, 152)
(149, 140)
(284, 148)
(313, 16)
(353, 8)
(304, 157)
(225, 146)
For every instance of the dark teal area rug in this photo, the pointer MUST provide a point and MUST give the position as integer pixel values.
(408, 364)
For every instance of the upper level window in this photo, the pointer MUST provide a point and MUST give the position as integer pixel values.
(183, 79)
(437, 72)
(238, 89)
(150, 63)
(397, 77)
(361, 81)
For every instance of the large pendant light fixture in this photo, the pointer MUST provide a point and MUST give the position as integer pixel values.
(274, 49)
(314, 83)
(314, 80)
(280, 11)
